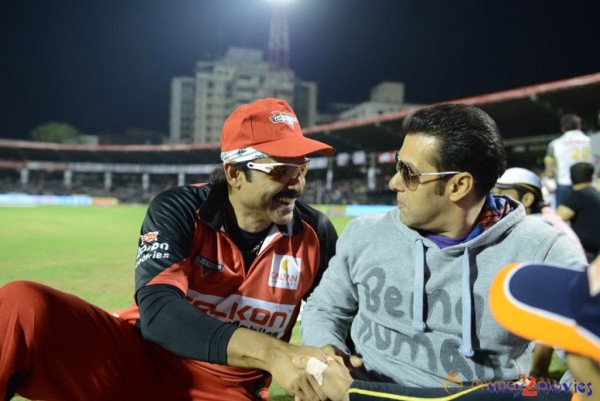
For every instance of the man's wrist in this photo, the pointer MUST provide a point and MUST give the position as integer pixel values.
(250, 349)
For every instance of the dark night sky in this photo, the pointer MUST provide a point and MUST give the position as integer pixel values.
(106, 66)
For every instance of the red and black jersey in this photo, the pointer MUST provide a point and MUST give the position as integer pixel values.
(185, 253)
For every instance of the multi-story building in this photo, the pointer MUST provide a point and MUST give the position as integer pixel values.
(181, 124)
(219, 86)
(305, 103)
(384, 98)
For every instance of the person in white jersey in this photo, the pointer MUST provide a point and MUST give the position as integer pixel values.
(571, 147)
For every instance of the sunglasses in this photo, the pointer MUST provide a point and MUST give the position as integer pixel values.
(281, 172)
(411, 179)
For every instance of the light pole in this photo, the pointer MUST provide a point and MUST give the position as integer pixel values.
(280, 78)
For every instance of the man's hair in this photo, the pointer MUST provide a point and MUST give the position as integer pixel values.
(570, 122)
(468, 140)
(538, 198)
(217, 176)
(582, 173)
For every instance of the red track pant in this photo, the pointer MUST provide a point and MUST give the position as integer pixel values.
(55, 346)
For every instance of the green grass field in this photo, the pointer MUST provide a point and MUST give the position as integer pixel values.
(87, 251)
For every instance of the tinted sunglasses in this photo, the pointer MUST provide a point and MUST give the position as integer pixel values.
(411, 179)
(281, 172)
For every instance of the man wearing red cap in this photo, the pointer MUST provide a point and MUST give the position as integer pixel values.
(220, 273)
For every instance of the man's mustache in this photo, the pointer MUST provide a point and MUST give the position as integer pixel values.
(288, 194)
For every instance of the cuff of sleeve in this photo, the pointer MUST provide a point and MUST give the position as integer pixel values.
(218, 349)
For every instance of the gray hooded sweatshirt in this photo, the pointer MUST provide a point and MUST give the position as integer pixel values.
(403, 300)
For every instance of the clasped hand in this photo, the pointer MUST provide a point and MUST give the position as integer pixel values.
(330, 377)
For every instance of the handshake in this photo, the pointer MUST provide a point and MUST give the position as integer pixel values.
(326, 376)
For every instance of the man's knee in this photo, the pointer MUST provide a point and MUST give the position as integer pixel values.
(23, 295)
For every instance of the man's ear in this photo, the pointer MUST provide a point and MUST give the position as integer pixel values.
(233, 175)
(527, 199)
(461, 185)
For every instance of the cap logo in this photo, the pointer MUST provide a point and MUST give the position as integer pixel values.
(279, 117)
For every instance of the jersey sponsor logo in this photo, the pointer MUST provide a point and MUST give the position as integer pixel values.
(149, 237)
(256, 314)
(285, 272)
(207, 265)
(155, 251)
(279, 117)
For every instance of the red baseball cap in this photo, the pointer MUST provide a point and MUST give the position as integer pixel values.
(270, 126)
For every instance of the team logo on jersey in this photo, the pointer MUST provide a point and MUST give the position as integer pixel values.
(285, 272)
(279, 117)
(149, 237)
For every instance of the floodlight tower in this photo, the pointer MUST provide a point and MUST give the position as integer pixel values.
(280, 79)
(279, 36)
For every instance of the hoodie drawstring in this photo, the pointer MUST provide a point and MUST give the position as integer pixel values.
(467, 346)
(419, 324)
(419, 287)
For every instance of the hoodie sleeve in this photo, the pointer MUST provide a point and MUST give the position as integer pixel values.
(561, 251)
(330, 310)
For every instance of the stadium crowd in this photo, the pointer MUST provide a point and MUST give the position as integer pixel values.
(128, 188)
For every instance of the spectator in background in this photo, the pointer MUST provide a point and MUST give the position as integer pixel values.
(571, 147)
(526, 187)
(595, 146)
(407, 289)
(582, 208)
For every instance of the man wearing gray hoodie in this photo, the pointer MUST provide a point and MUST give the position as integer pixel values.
(407, 289)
